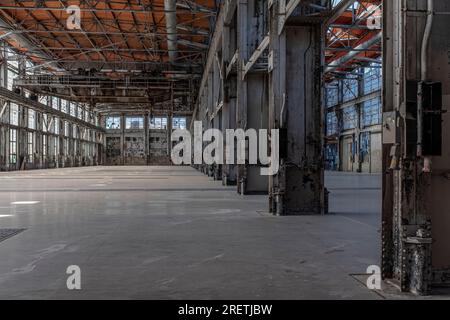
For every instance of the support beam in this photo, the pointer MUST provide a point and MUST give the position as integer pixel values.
(337, 11)
(416, 228)
(256, 55)
(8, 95)
(26, 44)
(353, 53)
(295, 109)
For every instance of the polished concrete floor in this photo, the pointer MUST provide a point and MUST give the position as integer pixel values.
(173, 233)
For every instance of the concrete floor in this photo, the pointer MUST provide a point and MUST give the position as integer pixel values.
(172, 233)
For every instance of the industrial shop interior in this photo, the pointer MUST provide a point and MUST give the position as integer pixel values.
(224, 150)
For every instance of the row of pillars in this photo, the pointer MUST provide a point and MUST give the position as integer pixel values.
(286, 98)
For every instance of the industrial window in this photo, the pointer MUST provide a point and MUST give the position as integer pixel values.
(14, 114)
(331, 157)
(66, 128)
(365, 146)
(74, 132)
(349, 89)
(179, 123)
(332, 124)
(66, 147)
(80, 113)
(158, 123)
(134, 123)
(44, 145)
(30, 147)
(72, 109)
(45, 122)
(55, 103)
(56, 126)
(332, 94)
(371, 112)
(43, 100)
(372, 79)
(12, 146)
(349, 118)
(12, 74)
(64, 104)
(113, 122)
(31, 119)
(56, 146)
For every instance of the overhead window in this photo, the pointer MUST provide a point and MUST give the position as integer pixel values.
(371, 112)
(55, 103)
(350, 118)
(372, 79)
(43, 100)
(31, 119)
(113, 122)
(134, 123)
(45, 124)
(332, 124)
(179, 123)
(80, 113)
(332, 94)
(72, 109)
(349, 89)
(64, 104)
(14, 114)
(158, 123)
(12, 73)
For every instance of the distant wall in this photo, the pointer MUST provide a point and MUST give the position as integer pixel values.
(143, 144)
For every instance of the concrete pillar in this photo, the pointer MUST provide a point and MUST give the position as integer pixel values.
(170, 122)
(229, 122)
(251, 102)
(295, 109)
(252, 182)
(122, 138)
(147, 137)
(241, 99)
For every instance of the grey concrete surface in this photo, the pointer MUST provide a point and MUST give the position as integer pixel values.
(173, 233)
